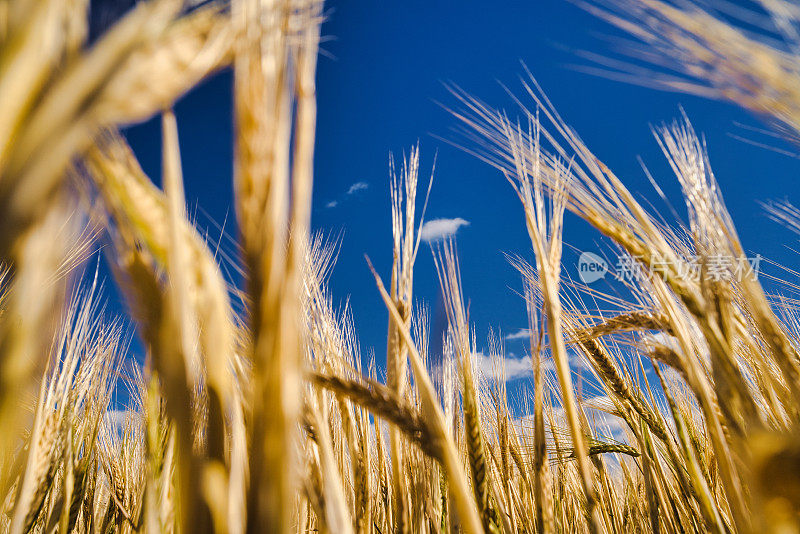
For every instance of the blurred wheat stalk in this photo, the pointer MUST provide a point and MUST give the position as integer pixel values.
(252, 412)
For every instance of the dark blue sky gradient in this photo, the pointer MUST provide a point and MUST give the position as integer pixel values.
(378, 83)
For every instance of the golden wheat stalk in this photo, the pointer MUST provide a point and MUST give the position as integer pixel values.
(433, 412)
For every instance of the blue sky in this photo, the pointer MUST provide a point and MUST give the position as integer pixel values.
(379, 82)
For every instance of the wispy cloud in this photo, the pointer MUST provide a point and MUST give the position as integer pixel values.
(356, 187)
(436, 229)
(522, 333)
(352, 190)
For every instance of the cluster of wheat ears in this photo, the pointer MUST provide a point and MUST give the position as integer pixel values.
(252, 412)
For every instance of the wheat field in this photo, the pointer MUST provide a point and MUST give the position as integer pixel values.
(253, 412)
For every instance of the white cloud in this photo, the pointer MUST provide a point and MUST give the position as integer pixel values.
(512, 368)
(522, 333)
(608, 425)
(116, 419)
(577, 361)
(436, 229)
(600, 402)
(331, 204)
(662, 338)
(604, 424)
(356, 187)
(515, 368)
